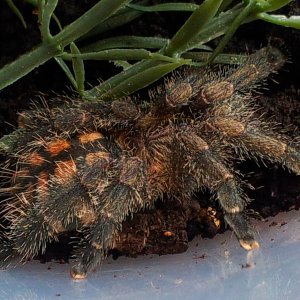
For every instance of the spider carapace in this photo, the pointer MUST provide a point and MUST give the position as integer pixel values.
(86, 166)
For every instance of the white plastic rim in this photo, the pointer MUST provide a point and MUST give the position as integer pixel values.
(215, 268)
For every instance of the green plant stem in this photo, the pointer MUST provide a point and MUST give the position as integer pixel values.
(66, 70)
(268, 5)
(46, 10)
(165, 7)
(232, 29)
(78, 68)
(225, 4)
(16, 11)
(293, 21)
(29, 61)
(120, 54)
(220, 59)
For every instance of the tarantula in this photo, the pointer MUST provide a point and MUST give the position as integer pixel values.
(86, 166)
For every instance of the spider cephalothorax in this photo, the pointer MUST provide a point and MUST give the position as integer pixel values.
(86, 166)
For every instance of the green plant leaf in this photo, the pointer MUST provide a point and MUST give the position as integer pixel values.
(120, 54)
(16, 11)
(126, 41)
(66, 70)
(78, 68)
(8, 142)
(165, 7)
(45, 13)
(268, 5)
(140, 80)
(293, 21)
(47, 50)
(203, 57)
(195, 23)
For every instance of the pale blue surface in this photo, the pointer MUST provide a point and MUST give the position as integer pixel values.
(274, 272)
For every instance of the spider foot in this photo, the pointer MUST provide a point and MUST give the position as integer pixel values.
(243, 230)
(249, 244)
(78, 272)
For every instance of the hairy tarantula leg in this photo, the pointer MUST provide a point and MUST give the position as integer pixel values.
(244, 232)
(27, 232)
(81, 115)
(217, 87)
(43, 212)
(251, 139)
(206, 168)
(62, 199)
(257, 67)
(126, 194)
(228, 193)
(51, 204)
(7, 252)
(203, 164)
(232, 200)
(273, 149)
